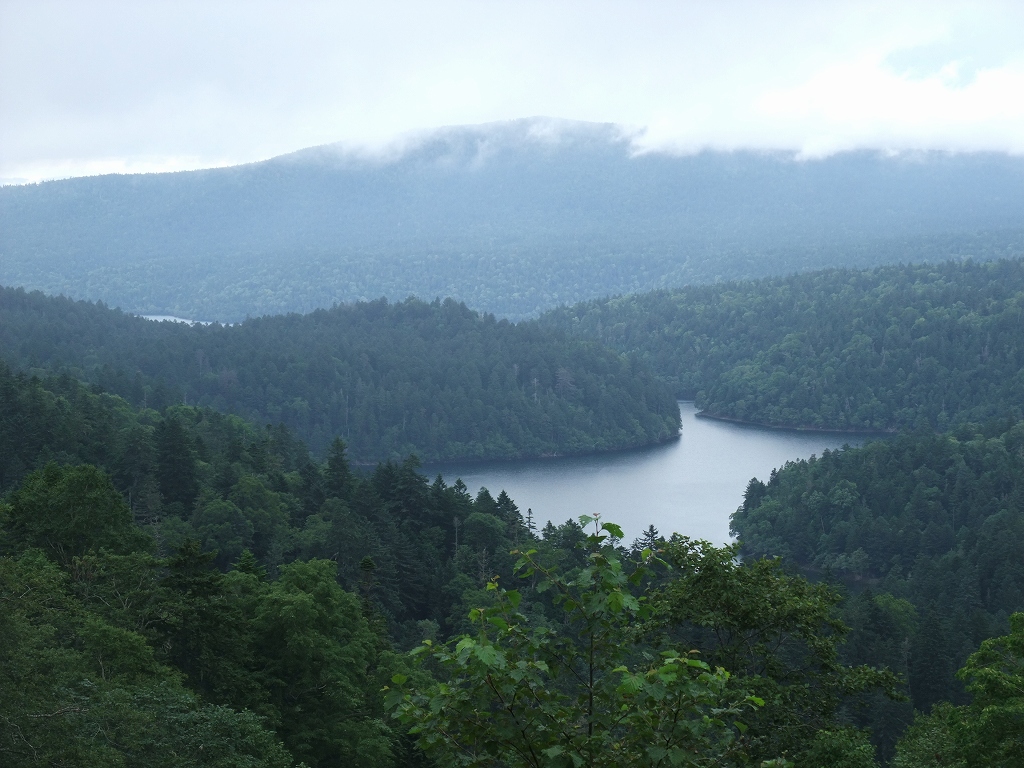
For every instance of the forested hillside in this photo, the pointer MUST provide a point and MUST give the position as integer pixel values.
(434, 379)
(190, 473)
(891, 348)
(926, 530)
(512, 218)
(202, 593)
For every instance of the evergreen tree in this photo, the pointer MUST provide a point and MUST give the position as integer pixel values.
(202, 630)
(337, 474)
(177, 470)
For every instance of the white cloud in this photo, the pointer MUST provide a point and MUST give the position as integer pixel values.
(127, 86)
(862, 103)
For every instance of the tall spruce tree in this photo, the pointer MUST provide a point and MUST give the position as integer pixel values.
(177, 472)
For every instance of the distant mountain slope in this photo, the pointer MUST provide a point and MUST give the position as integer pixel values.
(897, 347)
(512, 218)
(438, 380)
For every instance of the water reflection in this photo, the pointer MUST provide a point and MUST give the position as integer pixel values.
(690, 486)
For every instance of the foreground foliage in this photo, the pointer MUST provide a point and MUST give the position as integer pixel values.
(780, 637)
(989, 731)
(612, 677)
(580, 693)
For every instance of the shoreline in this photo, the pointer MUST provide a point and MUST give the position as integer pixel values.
(786, 428)
(536, 457)
(480, 461)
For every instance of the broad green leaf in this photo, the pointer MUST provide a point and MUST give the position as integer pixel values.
(490, 656)
(630, 684)
(613, 529)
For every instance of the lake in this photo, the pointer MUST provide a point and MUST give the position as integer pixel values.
(689, 487)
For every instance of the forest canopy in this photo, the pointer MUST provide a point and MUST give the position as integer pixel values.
(181, 588)
(211, 589)
(926, 531)
(892, 348)
(437, 380)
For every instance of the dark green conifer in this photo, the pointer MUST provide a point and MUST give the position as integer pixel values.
(338, 475)
(177, 472)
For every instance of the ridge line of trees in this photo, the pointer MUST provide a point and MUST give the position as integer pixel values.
(437, 379)
(892, 348)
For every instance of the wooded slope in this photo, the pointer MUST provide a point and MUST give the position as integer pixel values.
(888, 348)
(438, 380)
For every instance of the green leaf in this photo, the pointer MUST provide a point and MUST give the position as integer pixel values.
(613, 529)
(657, 753)
(490, 656)
(630, 684)
(615, 601)
(392, 699)
(678, 756)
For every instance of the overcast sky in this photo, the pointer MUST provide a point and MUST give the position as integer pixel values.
(94, 87)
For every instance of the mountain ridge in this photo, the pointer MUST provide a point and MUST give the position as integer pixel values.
(512, 218)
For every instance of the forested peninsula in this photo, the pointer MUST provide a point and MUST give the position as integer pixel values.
(436, 380)
(892, 348)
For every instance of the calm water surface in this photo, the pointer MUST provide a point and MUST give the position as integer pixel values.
(690, 487)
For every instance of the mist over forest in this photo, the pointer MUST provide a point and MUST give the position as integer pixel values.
(511, 218)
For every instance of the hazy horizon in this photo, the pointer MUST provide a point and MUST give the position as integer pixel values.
(123, 87)
(542, 130)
